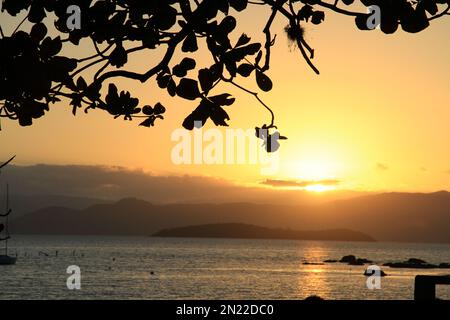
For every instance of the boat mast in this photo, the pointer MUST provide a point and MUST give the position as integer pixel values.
(8, 211)
(6, 227)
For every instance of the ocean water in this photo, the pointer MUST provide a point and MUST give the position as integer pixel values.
(185, 268)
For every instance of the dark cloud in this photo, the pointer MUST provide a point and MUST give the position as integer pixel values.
(381, 166)
(302, 184)
(113, 183)
(109, 183)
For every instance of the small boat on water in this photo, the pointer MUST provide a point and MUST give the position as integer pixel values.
(5, 259)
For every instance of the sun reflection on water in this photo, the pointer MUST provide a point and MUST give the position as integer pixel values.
(313, 279)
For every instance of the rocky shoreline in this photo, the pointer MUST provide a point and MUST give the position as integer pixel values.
(412, 263)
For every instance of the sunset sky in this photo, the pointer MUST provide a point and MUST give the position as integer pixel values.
(376, 119)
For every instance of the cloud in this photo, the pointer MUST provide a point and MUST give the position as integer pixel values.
(382, 167)
(109, 183)
(301, 184)
(114, 183)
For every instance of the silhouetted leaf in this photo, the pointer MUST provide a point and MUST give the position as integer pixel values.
(223, 6)
(188, 63)
(206, 79)
(159, 108)
(188, 89)
(305, 13)
(119, 56)
(81, 84)
(348, 2)
(50, 47)
(238, 5)
(118, 19)
(36, 13)
(231, 66)
(166, 16)
(243, 40)
(389, 23)
(415, 22)
(38, 32)
(227, 25)
(258, 57)
(245, 69)
(147, 110)
(222, 99)
(429, 5)
(93, 91)
(183, 67)
(216, 71)
(263, 81)
(207, 109)
(199, 115)
(317, 17)
(163, 81)
(13, 7)
(219, 116)
(190, 43)
(60, 67)
(30, 110)
(150, 121)
(271, 143)
(261, 133)
(76, 102)
(172, 87)
(112, 95)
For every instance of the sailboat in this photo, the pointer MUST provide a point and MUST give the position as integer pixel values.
(5, 259)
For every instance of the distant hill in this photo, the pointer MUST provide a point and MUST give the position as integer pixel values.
(248, 231)
(386, 217)
(413, 217)
(23, 204)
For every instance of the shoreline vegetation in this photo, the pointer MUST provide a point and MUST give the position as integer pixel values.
(249, 231)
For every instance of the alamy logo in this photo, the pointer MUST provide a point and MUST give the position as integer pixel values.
(374, 280)
(235, 146)
(74, 20)
(74, 280)
(374, 20)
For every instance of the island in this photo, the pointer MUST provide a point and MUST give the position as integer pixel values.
(248, 231)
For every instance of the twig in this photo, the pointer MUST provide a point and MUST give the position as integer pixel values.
(6, 163)
(255, 94)
(269, 41)
(443, 13)
(20, 24)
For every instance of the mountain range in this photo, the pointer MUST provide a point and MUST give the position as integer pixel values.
(412, 217)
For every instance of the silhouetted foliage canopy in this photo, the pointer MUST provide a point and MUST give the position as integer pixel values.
(36, 69)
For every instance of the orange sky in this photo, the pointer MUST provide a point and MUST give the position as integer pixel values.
(376, 119)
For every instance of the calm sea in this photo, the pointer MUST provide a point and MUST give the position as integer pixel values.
(122, 267)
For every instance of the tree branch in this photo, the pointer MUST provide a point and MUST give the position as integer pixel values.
(443, 13)
(7, 162)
